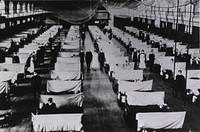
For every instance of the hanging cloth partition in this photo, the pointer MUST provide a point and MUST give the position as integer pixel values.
(73, 12)
(2, 7)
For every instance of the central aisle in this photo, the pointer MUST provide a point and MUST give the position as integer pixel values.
(101, 110)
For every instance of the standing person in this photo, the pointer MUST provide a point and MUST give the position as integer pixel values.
(110, 33)
(40, 56)
(180, 86)
(82, 56)
(2, 56)
(15, 58)
(53, 55)
(151, 60)
(88, 59)
(142, 59)
(95, 63)
(135, 57)
(83, 37)
(110, 36)
(148, 38)
(30, 67)
(36, 84)
(128, 46)
(101, 59)
(66, 32)
(160, 44)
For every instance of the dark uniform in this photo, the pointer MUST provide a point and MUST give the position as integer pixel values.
(36, 84)
(15, 59)
(88, 58)
(82, 56)
(180, 87)
(49, 108)
(151, 61)
(101, 59)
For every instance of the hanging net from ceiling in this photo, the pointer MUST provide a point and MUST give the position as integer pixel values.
(74, 12)
(137, 4)
(136, 7)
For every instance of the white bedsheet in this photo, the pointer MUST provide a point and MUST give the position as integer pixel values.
(68, 60)
(57, 86)
(125, 86)
(68, 54)
(192, 83)
(129, 75)
(57, 122)
(145, 98)
(66, 75)
(8, 75)
(160, 120)
(67, 67)
(64, 100)
(15, 67)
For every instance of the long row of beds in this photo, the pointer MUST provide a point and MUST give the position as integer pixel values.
(144, 108)
(65, 89)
